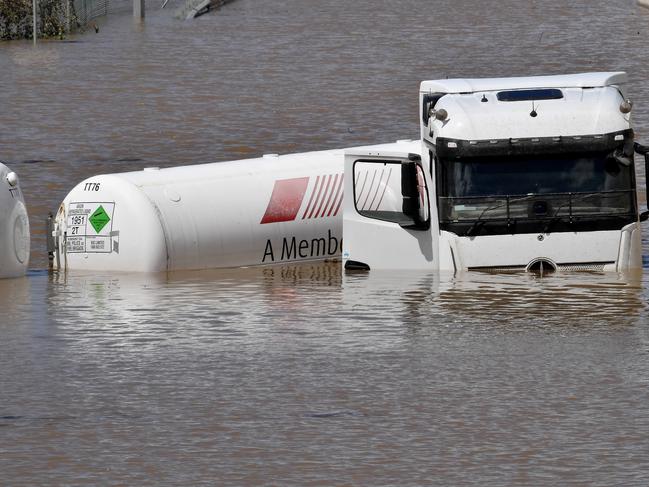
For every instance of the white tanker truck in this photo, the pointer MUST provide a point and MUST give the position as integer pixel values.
(14, 226)
(529, 173)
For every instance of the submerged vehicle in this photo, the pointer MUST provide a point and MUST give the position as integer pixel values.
(515, 173)
(267, 210)
(512, 173)
(14, 226)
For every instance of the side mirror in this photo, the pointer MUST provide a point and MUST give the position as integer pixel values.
(427, 104)
(624, 155)
(621, 158)
(414, 198)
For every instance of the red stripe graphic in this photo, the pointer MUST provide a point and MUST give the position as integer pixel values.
(317, 181)
(340, 202)
(289, 194)
(286, 200)
(317, 198)
(331, 193)
(340, 185)
(324, 196)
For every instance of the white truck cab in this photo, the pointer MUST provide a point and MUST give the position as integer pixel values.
(532, 173)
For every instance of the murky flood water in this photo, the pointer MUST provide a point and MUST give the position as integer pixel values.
(300, 375)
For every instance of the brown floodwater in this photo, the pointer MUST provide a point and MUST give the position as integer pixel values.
(301, 374)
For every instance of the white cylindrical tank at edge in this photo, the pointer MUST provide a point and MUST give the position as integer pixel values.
(14, 226)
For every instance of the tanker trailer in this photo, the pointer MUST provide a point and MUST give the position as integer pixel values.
(269, 210)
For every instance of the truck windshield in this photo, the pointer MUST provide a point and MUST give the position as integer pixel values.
(513, 194)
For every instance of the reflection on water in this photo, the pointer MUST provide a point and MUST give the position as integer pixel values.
(308, 376)
(482, 300)
(289, 292)
(300, 375)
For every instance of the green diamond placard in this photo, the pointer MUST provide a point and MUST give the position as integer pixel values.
(99, 219)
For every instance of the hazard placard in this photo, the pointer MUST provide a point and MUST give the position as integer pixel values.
(90, 227)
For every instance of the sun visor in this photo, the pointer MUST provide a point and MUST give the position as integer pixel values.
(459, 149)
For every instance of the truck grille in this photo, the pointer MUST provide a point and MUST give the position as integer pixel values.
(568, 267)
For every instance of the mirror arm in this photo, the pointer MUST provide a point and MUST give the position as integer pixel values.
(643, 150)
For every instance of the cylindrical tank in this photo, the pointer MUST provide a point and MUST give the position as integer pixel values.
(262, 211)
(14, 226)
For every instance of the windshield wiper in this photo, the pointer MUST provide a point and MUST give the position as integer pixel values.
(507, 202)
(555, 218)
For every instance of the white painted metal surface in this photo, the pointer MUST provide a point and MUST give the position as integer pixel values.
(499, 251)
(590, 105)
(14, 226)
(470, 110)
(268, 210)
(474, 85)
(372, 197)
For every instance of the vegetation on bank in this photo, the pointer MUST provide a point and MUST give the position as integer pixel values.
(16, 18)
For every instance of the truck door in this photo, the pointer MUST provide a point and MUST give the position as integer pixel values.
(386, 218)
